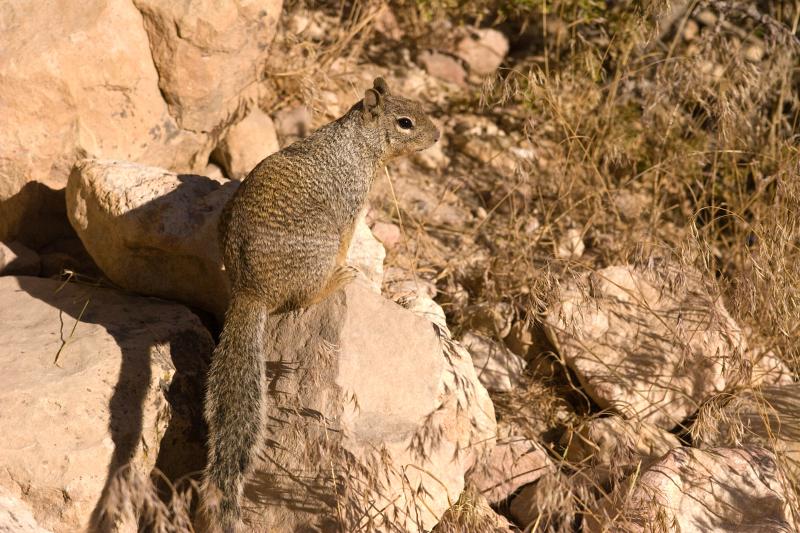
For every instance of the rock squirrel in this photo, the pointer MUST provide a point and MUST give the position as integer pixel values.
(285, 235)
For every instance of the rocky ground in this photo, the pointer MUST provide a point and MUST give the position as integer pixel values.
(577, 312)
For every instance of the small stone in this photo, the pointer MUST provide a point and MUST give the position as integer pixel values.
(492, 320)
(404, 287)
(292, 123)
(690, 30)
(520, 338)
(16, 259)
(214, 172)
(630, 205)
(754, 53)
(483, 50)
(472, 511)
(388, 234)
(766, 416)
(717, 489)
(246, 144)
(571, 245)
(433, 158)
(706, 17)
(444, 67)
(769, 369)
(532, 226)
(515, 461)
(386, 23)
(366, 254)
(612, 442)
(499, 370)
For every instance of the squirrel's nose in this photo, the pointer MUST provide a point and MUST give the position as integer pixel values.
(436, 136)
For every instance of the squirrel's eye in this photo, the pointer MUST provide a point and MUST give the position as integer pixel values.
(405, 123)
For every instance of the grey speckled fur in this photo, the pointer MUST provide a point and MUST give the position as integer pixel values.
(285, 234)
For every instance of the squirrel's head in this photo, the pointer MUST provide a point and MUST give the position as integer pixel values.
(403, 124)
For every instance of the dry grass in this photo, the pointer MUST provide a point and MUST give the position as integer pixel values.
(661, 133)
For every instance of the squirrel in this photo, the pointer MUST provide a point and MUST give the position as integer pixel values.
(284, 238)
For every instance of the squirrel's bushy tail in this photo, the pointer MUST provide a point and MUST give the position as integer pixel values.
(234, 410)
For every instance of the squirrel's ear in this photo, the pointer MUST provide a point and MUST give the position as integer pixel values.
(373, 103)
(380, 85)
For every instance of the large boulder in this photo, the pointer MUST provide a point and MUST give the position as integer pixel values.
(152, 231)
(649, 345)
(370, 427)
(208, 53)
(94, 83)
(155, 232)
(700, 491)
(82, 394)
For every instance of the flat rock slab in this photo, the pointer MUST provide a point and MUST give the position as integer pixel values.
(650, 345)
(69, 425)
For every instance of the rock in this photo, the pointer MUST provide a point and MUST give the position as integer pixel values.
(472, 513)
(16, 259)
(444, 67)
(86, 370)
(514, 462)
(395, 413)
(483, 50)
(499, 369)
(94, 85)
(612, 443)
(767, 416)
(246, 144)
(571, 245)
(492, 320)
(292, 123)
(15, 516)
(520, 338)
(86, 86)
(719, 489)
(366, 253)
(433, 158)
(386, 24)
(208, 54)
(399, 283)
(690, 30)
(388, 234)
(524, 508)
(152, 231)
(214, 172)
(67, 254)
(769, 369)
(652, 346)
(754, 53)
